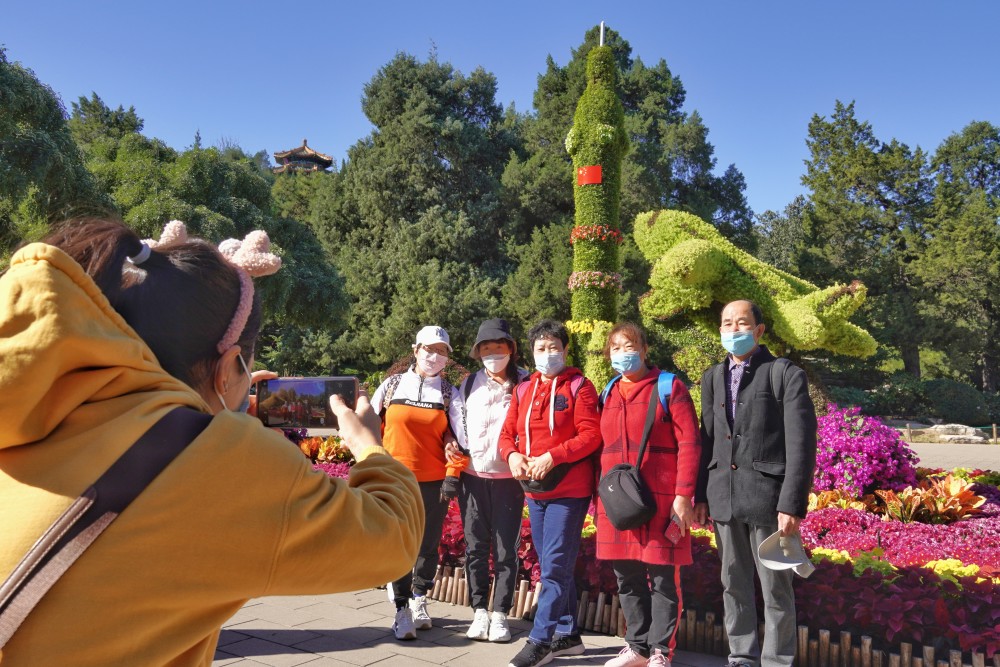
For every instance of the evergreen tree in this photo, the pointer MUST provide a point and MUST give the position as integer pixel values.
(219, 193)
(866, 220)
(418, 226)
(962, 261)
(780, 235)
(42, 176)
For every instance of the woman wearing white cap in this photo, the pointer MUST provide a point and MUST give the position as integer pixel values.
(491, 499)
(421, 412)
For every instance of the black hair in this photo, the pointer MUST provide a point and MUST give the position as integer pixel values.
(548, 329)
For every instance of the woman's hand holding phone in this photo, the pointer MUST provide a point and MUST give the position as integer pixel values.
(360, 428)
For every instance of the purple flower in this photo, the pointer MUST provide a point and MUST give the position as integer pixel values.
(859, 454)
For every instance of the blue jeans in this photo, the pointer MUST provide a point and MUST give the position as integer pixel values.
(555, 529)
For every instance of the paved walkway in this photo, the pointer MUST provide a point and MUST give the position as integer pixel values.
(353, 629)
(934, 455)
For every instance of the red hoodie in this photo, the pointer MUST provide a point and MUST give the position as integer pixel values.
(566, 426)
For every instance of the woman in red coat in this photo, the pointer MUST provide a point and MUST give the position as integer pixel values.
(647, 560)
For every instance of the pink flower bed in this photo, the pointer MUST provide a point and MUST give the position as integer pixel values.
(973, 541)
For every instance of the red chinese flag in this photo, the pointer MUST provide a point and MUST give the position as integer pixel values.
(588, 175)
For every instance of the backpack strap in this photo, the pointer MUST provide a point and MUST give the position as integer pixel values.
(575, 384)
(778, 381)
(607, 390)
(90, 514)
(665, 387)
(445, 393)
(390, 388)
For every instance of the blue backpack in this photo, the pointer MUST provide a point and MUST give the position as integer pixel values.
(664, 387)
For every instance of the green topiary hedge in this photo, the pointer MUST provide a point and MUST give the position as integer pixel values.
(696, 271)
(597, 139)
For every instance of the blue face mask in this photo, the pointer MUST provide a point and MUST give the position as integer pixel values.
(738, 343)
(550, 364)
(626, 362)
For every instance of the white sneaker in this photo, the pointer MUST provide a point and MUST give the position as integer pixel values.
(628, 657)
(480, 629)
(403, 625)
(499, 632)
(658, 659)
(421, 619)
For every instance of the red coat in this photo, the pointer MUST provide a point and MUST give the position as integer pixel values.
(669, 468)
(575, 434)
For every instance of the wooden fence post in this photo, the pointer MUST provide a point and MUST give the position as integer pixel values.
(802, 654)
(824, 648)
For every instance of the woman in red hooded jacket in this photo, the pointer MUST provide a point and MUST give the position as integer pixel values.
(647, 559)
(550, 432)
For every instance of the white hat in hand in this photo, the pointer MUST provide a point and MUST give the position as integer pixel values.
(780, 552)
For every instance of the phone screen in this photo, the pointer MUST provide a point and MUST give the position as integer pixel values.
(303, 402)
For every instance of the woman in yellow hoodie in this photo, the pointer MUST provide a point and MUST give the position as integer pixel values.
(101, 335)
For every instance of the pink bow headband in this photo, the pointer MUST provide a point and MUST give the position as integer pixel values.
(250, 257)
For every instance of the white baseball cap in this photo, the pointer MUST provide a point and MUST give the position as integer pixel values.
(779, 552)
(430, 335)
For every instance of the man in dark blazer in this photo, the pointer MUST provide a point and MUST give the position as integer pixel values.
(758, 438)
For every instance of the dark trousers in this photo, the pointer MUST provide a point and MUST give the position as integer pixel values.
(651, 604)
(491, 516)
(421, 578)
(555, 530)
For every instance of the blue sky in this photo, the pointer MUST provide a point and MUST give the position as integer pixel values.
(265, 75)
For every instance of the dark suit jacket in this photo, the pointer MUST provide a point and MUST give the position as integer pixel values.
(764, 464)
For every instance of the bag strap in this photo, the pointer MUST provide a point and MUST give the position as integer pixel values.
(646, 430)
(390, 388)
(77, 528)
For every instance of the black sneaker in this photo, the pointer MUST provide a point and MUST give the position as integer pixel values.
(531, 655)
(567, 645)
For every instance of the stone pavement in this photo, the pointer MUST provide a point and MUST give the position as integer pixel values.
(935, 455)
(354, 629)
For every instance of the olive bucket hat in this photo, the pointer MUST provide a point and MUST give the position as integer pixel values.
(496, 329)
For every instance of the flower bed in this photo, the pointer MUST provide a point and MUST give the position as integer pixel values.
(899, 583)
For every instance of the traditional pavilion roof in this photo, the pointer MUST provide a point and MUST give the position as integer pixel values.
(303, 154)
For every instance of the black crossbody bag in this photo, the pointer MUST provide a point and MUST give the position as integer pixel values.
(627, 502)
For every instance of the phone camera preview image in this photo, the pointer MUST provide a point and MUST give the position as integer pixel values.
(303, 402)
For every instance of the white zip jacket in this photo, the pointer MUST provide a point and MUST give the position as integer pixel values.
(424, 392)
(486, 410)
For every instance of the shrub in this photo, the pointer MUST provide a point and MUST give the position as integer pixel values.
(992, 399)
(852, 396)
(956, 402)
(934, 500)
(902, 395)
(859, 454)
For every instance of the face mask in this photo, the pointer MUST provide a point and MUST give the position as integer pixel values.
(549, 364)
(626, 362)
(245, 405)
(738, 343)
(430, 363)
(495, 363)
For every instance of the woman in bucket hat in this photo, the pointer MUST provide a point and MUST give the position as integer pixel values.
(420, 414)
(491, 499)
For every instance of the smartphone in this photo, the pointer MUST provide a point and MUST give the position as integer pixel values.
(674, 531)
(303, 402)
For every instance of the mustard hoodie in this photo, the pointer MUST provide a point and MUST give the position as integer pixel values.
(239, 514)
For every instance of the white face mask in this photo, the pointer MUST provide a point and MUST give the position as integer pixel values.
(550, 363)
(495, 363)
(430, 363)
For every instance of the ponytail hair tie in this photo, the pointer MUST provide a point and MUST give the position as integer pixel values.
(140, 256)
